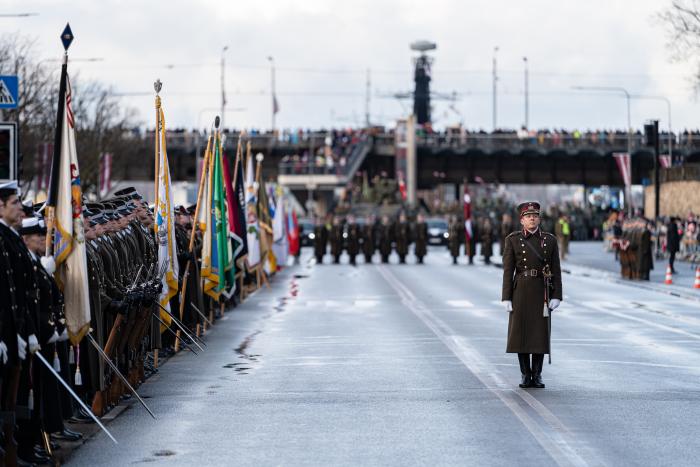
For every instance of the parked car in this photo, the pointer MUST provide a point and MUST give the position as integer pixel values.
(438, 231)
(306, 232)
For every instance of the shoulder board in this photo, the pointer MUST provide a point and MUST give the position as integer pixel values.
(549, 234)
(513, 233)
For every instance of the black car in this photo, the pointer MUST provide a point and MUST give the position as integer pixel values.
(306, 232)
(438, 231)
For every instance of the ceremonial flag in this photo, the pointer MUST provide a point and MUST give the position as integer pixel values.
(217, 262)
(164, 225)
(293, 232)
(665, 161)
(234, 209)
(65, 198)
(251, 202)
(280, 246)
(265, 221)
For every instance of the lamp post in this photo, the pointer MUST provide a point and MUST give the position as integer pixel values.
(668, 108)
(495, 80)
(628, 97)
(272, 91)
(223, 92)
(527, 95)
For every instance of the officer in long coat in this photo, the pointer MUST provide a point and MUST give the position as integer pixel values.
(402, 234)
(336, 239)
(385, 239)
(320, 240)
(455, 237)
(368, 239)
(421, 238)
(529, 256)
(353, 232)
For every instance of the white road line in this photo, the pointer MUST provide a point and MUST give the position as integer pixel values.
(561, 445)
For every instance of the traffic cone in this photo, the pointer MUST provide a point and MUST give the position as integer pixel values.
(697, 278)
(669, 276)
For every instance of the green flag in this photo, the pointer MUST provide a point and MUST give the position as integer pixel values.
(223, 244)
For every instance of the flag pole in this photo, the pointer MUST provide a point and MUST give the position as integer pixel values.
(58, 141)
(192, 234)
(158, 85)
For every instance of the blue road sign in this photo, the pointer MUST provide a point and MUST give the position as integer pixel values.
(9, 92)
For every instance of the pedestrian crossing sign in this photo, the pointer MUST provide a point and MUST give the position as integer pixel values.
(9, 92)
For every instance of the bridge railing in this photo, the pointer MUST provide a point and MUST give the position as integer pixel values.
(344, 166)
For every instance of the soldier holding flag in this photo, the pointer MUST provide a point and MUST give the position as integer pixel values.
(530, 265)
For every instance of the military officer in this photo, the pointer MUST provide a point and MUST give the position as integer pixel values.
(530, 263)
(385, 239)
(455, 236)
(421, 238)
(353, 239)
(336, 239)
(368, 238)
(403, 237)
(320, 240)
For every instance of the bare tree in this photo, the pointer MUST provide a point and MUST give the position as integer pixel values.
(102, 123)
(682, 22)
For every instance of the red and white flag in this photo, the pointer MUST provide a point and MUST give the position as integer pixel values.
(467, 199)
(665, 161)
(624, 165)
(105, 173)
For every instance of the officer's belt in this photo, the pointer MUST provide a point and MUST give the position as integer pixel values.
(529, 273)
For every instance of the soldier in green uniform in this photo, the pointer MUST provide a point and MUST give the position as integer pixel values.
(486, 236)
(336, 239)
(402, 232)
(507, 226)
(353, 232)
(421, 237)
(385, 239)
(320, 240)
(455, 236)
(368, 238)
(530, 263)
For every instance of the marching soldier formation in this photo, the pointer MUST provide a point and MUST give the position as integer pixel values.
(368, 236)
(127, 320)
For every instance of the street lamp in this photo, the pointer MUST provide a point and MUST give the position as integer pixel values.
(495, 80)
(668, 108)
(223, 93)
(272, 91)
(527, 96)
(627, 95)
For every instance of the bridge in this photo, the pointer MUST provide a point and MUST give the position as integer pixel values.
(543, 158)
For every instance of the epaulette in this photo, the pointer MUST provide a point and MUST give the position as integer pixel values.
(513, 233)
(550, 234)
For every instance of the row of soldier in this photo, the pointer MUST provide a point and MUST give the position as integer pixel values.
(367, 237)
(128, 324)
(635, 249)
(364, 237)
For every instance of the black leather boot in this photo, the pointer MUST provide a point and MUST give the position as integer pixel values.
(525, 371)
(537, 361)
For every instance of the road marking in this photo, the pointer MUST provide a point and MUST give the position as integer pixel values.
(460, 303)
(561, 445)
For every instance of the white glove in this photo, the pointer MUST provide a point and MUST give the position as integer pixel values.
(3, 352)
(508, 305)
(54, 337)
(21, 347)
(49, 264)
(33, 344)
(64, 336)
(554, 304)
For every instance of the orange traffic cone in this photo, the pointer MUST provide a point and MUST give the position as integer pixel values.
(669, 276)
(697, 278)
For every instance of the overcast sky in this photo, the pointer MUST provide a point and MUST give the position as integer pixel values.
(322, 49)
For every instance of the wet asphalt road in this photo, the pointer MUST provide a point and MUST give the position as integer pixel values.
(405, 365)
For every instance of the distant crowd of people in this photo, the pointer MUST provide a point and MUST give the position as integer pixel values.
(331, 157)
